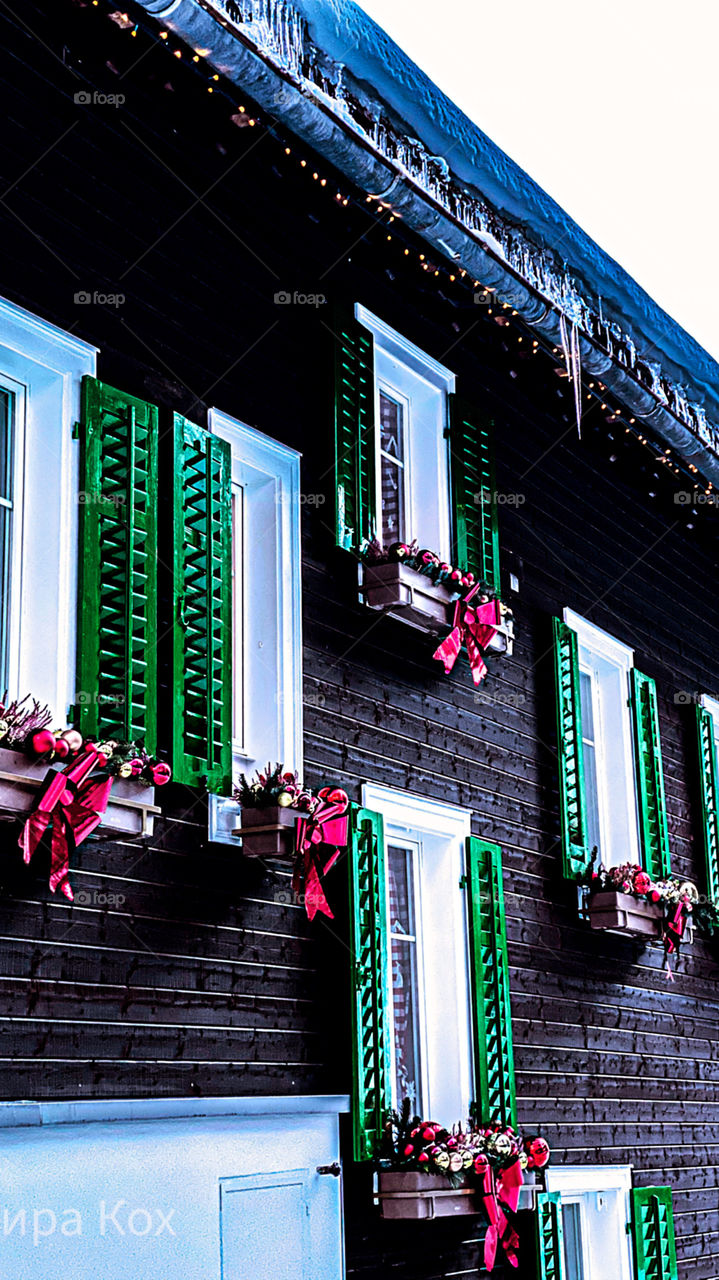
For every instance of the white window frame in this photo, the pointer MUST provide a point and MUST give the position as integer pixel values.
(575, 1184)
(620, 841)
(408, 374)
(712, 706)
(44, 366)
(440, 830)
(268, 571)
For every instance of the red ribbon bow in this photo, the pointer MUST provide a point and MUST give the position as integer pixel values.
(473, 628)
(327, 824)
(500, 1193)
(673, 935)
(74, 805)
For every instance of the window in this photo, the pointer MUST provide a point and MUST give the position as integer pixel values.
(41, 369)
(707, 716)
(607, 745)
(595, 1210)
(266, 607)
(427, 952)
(411, 443)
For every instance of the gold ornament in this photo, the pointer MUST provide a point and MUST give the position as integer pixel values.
(284, 799)
(125, 771)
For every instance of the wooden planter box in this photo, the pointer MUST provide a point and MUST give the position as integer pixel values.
(411, 596)
(623, 913)
(130, 811)
(268, 833)
(422, 1196)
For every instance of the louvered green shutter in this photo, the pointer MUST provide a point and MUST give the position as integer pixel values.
(368, 938)
(492, 1015)
(550, 1242)
(476, 535)
(117, 577)
(202, 623)
(575, 854)
(653, 831)
(655, 1254)
(355, 431)
(710, 812)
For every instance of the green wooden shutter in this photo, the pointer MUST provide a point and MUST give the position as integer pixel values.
(575, 854)
(492, 1016)
(368, 938)
(476, 534)
(355, 432)
(550, 1242)
(117, 577)
(202, 622)
(655, 1254)
(653, 831)
(710, 811)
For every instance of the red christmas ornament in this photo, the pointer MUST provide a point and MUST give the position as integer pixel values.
(428, 1134)
(642, 882)
(480, 1163)
(333, 795)
(409, 1149)
(101, 759)
(161, 773)
(655, 895)
(62, 750)
(537, 1153)
(422, 1158)
(136, 766)
(43, 742)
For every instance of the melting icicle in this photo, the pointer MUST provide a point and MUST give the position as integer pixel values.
(573, 361)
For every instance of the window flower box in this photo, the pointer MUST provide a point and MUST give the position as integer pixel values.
(624, 913)
(402, 592)
(422, 1196)
(130, 811)
(268, 832)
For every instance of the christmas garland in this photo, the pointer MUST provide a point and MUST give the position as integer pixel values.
(321, 830)
(680, 900)
(439, 571)
(491, 1158)
(24, 727)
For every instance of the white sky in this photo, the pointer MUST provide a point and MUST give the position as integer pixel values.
(611, 105)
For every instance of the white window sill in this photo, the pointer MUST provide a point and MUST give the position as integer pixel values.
(130, 811)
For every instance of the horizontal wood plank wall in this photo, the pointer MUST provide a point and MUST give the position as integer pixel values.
(203, 979)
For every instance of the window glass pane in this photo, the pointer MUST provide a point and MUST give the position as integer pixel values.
(591, 786)
(391, 419)
(405, 992)
(572, 1229)
(6, 480)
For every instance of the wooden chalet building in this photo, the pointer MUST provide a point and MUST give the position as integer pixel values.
(268, 300)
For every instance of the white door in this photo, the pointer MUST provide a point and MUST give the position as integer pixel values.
(264, 1226)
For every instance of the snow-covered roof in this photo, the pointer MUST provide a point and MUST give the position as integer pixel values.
(339, 58)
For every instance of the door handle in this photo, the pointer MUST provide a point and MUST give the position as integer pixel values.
(334, 1170)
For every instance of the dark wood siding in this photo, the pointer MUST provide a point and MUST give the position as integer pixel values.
(202, 979)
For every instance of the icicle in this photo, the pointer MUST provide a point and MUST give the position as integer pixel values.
(572, 359)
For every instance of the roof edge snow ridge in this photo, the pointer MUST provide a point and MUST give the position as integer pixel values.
(314, 65)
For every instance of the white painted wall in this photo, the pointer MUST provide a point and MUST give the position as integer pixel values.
(139, 1199)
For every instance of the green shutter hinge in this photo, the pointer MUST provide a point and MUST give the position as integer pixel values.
(76, 430)
(463, 882)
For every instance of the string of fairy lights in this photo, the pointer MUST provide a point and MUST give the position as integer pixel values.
(594, 392)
